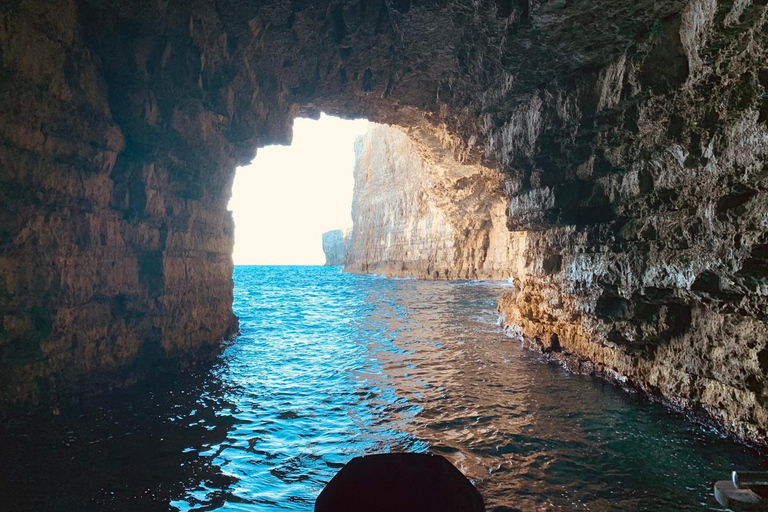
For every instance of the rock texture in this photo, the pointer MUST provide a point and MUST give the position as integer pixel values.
(115, 245)
(419, 213)
(645, 213)
(335, 246)
(632, 134)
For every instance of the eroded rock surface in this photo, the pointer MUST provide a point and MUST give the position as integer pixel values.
(419, 213)
(115, 243)
(632, 134)
(645, 217)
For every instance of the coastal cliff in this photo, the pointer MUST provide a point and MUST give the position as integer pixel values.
(335, 246)
(419, 213)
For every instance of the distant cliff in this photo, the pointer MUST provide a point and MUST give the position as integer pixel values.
(334, 246)
(417, 212)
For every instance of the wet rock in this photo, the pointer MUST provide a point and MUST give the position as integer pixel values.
(659, 231)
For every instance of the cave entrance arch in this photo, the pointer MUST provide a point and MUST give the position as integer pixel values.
(125, 124)
(416, 211)
(631, 138)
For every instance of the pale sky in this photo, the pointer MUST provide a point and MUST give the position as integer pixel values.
(289, 196)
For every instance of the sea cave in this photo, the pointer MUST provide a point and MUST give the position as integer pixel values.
(604, 161)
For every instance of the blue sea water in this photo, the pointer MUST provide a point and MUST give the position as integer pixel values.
(329, 366)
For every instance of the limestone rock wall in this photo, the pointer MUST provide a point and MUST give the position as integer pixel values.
(631, 134)
(645, 212)
(115, 243)
(335, 246)
(419, 213)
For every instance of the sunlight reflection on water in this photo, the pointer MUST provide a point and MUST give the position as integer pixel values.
(330, 366)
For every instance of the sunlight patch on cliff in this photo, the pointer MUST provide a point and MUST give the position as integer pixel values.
(289, 196)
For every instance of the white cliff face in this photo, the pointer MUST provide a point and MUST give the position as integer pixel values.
(334, 246)
(419, 213)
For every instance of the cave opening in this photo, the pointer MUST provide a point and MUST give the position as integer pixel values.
(628, 147)
(289, 196)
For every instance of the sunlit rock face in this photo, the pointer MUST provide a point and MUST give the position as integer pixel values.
(631, 133)
(419, 213)
(335, 246)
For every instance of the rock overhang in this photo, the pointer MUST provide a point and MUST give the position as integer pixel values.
(631, 134)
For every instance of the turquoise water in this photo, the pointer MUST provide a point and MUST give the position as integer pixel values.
(329, 366)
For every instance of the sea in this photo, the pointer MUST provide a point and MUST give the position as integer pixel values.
(329, 366)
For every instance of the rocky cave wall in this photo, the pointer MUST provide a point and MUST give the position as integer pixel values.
(632, 134)
(646, 256)
(115, 244)
(417, 212)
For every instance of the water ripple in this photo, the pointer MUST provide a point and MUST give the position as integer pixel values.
(330, 366)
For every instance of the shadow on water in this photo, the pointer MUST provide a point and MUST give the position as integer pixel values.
(140, 448)
(330, 366)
